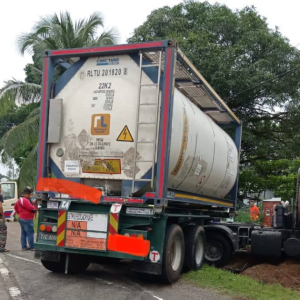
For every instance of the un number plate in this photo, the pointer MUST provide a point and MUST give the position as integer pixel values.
(139, 211)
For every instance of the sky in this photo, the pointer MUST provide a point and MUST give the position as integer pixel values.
(19, 16)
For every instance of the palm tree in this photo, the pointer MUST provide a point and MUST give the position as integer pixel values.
(50, 33)
(60, 32)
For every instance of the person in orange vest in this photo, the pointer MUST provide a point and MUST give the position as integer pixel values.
(254, 211)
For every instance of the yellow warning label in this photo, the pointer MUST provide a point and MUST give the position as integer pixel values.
(103, 166)
(125, 135)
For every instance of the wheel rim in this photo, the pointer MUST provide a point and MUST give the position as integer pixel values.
(214, 251)
(175, 254)
(199, 251)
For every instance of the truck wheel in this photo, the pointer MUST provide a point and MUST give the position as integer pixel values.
(194, 248)
(218, 251)
(54, 266)
(78, 263)
(173, 256)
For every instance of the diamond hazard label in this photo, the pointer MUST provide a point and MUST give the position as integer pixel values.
(125, 135)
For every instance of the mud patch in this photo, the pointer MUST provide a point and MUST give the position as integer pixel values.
(284, 271)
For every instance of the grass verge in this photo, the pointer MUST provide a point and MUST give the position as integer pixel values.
(238, 286)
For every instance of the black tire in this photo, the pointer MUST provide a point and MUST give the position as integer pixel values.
(55, 266)
(194, 248)
(77, 264)
(173, 257)
(219, 250)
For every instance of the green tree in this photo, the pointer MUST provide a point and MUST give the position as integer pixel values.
(254, 69)
(50, 33)
(279, 175)
(236, 51)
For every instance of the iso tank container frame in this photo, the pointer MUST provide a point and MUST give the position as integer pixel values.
(177, 71)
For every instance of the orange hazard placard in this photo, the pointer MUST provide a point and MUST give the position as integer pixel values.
(77, 225)
(76, 233)
(86, 243)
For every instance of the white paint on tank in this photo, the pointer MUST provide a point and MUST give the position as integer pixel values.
(203, 158)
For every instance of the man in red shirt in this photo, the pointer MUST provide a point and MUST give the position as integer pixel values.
(26, 212)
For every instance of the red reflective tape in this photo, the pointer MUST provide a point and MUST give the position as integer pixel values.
(165, 125)
(43, 123)
(135, 200)
(108, 48)
(113, 199)
(122, 200)
(150, 195)
(111, 230)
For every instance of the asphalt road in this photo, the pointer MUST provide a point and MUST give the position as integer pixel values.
(24, 278)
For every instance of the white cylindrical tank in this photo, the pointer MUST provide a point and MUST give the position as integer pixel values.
(98, 133)
(203, 158)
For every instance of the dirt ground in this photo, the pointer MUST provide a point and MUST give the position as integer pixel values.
(285, 271)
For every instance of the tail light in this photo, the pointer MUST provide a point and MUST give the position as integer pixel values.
(54, 228)
(140, 236)
(42, 227)
(48, 228)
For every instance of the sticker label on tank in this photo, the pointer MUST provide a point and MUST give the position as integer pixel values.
(103, 166)
(72, 166)
(125, 135)
(184, 142)
(100, 124)
(198, 170)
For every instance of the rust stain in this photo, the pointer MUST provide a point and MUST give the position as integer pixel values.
(184, 142)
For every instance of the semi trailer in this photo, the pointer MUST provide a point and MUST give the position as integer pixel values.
(141, 125)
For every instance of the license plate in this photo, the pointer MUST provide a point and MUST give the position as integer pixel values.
(52, 204)
(47, 236)
(139, 211)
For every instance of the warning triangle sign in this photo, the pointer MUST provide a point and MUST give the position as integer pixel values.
(125, 135)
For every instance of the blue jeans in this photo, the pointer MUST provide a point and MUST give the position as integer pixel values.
(27, 233)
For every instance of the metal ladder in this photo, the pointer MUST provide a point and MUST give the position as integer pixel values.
(150, 124)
